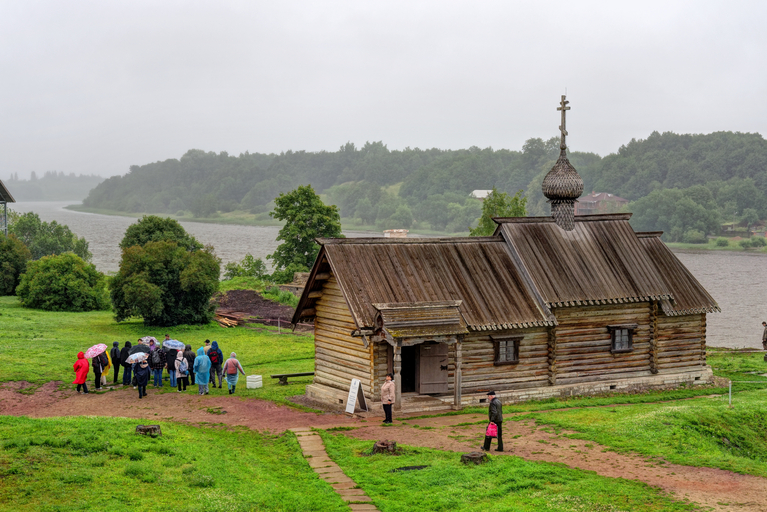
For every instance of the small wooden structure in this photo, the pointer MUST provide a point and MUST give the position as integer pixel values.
(547, 306)
(5, 198)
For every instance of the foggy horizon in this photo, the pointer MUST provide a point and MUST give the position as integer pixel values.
(93, 88)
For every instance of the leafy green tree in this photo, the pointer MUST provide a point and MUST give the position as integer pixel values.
(306, 218)
(750, 216)
(165, 284)
(499, 204)
(248, 267)
(402, 217)
(47, 238)
(365, 211)
(14, 256)
(152, 228)
(63, 282)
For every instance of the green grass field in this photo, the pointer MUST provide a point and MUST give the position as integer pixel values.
(505, 483)
(699, 432)
(89, 463)
(40, 346)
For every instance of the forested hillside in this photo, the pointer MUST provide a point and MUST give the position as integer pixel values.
(678, 182)
(52, 186)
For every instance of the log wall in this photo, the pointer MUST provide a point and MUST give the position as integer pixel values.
(477, 369)
(338, 357)
(583, 342)
(681, 342)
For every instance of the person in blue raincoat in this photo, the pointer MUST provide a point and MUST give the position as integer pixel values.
(202, 371)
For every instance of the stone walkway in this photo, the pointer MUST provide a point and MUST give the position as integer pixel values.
(314, 451)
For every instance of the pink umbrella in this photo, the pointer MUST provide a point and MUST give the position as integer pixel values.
(95, 350)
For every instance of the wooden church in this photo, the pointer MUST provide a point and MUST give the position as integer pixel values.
(547, 306)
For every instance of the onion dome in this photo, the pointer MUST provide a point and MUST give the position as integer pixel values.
(562, 186)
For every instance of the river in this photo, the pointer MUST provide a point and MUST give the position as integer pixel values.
(734, 279)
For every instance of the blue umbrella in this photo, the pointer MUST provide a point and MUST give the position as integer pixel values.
(174, 344)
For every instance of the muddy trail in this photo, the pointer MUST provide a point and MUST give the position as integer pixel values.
(714, 488)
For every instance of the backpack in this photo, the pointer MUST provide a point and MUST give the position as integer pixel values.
(214, 357)
(183, 367)
(156, 358)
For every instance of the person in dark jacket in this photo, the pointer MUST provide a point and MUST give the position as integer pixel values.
(124, 353)
(170, 358)
(142, 377)
(115, 355)
(189, 355)
(216, 361)
(157, 362)
(99, 363)
(495, 415)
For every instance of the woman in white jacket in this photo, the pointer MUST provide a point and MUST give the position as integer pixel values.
(387, 396)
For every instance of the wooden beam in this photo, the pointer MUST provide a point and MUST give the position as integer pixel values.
(322, 276)
(315, 295)
(458, 377)
(398, 376)
(552, 356)
(307, 312)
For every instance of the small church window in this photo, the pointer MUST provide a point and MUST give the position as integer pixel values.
(622, 338)
(506, 349)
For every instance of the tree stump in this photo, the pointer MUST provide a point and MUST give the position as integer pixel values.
(389, 447)
(474, 458)
(150, 430)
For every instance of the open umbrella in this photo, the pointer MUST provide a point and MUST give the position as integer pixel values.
(138, 356)
(175, 344)
(95, 350)
(138, 348)
(146, 339)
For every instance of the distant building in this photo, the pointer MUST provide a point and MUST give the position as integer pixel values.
(395, 233)
(599, 202)
(480, 194)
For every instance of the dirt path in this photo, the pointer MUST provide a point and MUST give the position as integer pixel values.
(718, 489)
(217, 407)
(715, 488)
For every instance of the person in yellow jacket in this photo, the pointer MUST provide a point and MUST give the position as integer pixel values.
(105, 372)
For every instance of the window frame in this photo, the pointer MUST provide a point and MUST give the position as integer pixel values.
(517, 340)
(613, 329)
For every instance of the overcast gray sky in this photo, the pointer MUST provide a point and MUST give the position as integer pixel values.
(94, 87)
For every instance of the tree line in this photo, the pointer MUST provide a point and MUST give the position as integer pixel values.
(429, 189)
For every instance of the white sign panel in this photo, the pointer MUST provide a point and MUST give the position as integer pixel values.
(355, 393)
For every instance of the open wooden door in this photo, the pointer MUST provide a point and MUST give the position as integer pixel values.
(432, 366)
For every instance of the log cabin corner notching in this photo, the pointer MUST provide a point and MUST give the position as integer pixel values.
(533, 311)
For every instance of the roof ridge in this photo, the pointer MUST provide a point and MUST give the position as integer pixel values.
(425, 240)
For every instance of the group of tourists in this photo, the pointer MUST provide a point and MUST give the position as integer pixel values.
(184, 367)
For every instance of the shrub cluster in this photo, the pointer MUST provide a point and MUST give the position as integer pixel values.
(63, 282)
(14, 256)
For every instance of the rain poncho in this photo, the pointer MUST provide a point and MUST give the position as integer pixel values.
(202, 366)
(81, 369)
(231, 367)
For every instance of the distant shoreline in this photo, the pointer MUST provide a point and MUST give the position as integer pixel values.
(237, 218)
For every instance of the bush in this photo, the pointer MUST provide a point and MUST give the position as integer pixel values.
(14, 256)
(281, 296)
(722, 242)
(44, 239)
(693, 236)
(746, 244)
(286, 275)
(248, 267)
(165, 284)
(758, 241)
(62, 283)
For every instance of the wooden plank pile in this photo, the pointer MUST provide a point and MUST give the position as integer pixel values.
(230, 319)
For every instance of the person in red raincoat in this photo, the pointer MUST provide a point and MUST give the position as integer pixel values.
(81, 372)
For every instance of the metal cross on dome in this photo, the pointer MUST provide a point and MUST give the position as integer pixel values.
(562, 128)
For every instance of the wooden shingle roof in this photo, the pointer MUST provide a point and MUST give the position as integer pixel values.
(5, 195)
(476, 271)
(689, 295)
(600, 261)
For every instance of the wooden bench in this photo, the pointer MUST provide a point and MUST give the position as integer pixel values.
(284, 377)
